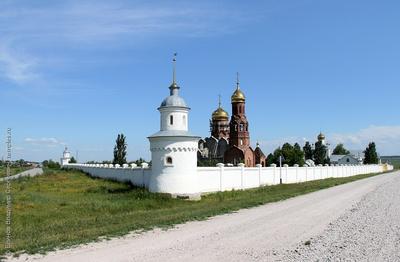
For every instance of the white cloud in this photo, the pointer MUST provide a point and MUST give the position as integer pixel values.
(98, 24)
(16, 67)
(44, 141)
(386, 138)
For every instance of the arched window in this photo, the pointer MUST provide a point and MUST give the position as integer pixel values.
(241, 127)
(184, 120)
(241, 142)
(168, 160)
(171, 120)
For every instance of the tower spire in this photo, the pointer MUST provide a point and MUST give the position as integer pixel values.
(174, 69)
(174, 87)
(237, 80)
(219, 101)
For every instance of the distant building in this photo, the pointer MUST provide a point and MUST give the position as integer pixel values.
(321, 138)
(214, 147)
(230, 140)
(344, 160)
(66, 157)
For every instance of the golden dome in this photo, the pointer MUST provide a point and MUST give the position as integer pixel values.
(321, 137)
(220, 114)
(238, 96)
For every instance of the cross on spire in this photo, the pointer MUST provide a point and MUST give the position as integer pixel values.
(219, 101)
(237, 80)
(174, 87)
(174, 68)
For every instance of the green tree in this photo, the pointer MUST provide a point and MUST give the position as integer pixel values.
(370, 154)
(120, 150)
(72, 160)
(308, 152)
(270, 160)
(139, 161)
(51, 164)
(298, 155)
(321, 154)
(277, 153)
(291, 155)
(287, 153)
(340, 150)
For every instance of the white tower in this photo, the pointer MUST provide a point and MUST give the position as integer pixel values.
(66, 157)
(174, 149)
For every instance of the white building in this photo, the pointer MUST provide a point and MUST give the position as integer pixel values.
(344, 160)
(66, 157)
(321, 138)
(174, 149)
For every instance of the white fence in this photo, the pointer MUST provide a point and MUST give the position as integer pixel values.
(138, 176)
(220, 178)
(212, 179)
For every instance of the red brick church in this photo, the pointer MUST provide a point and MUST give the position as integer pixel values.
(230, 143)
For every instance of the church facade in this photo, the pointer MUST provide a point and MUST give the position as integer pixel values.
(229, 142)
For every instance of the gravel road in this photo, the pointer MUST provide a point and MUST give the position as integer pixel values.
(355, 221)
(31, 172)
(369, 231)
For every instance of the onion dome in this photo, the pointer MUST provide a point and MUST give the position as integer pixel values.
(238, 96)
(220, 113)
(321, 137)
(174, 99)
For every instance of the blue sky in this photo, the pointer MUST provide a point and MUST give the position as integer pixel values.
(77, 73)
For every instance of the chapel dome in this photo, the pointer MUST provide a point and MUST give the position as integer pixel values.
(220, 114)
(238, 96)
(174, 99)
(321, 137)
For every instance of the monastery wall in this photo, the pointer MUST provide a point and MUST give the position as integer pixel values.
(138, 176)
(213, 179)
(221, 178)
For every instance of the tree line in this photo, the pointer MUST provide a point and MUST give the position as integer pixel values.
(294, 154)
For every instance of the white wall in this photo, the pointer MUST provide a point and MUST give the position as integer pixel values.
(213, 179)
(138, 176)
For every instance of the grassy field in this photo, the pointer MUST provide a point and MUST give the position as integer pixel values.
(13, 170)
(396, 164)
(64, 208)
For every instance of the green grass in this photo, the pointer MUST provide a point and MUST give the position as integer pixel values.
(13, 170)
(396, 164)
(65, 208)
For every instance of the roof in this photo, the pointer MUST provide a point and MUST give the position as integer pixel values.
(173, 100)
(170, 133)
(335, 158)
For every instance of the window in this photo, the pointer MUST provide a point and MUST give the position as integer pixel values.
(241, 142)
(171, 119)
(184, 120)
(168, 160)
(241, 127)
(348, 160)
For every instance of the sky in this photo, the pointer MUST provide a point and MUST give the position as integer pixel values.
(77, 73)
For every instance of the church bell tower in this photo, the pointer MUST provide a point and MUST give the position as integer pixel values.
(239, 126)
